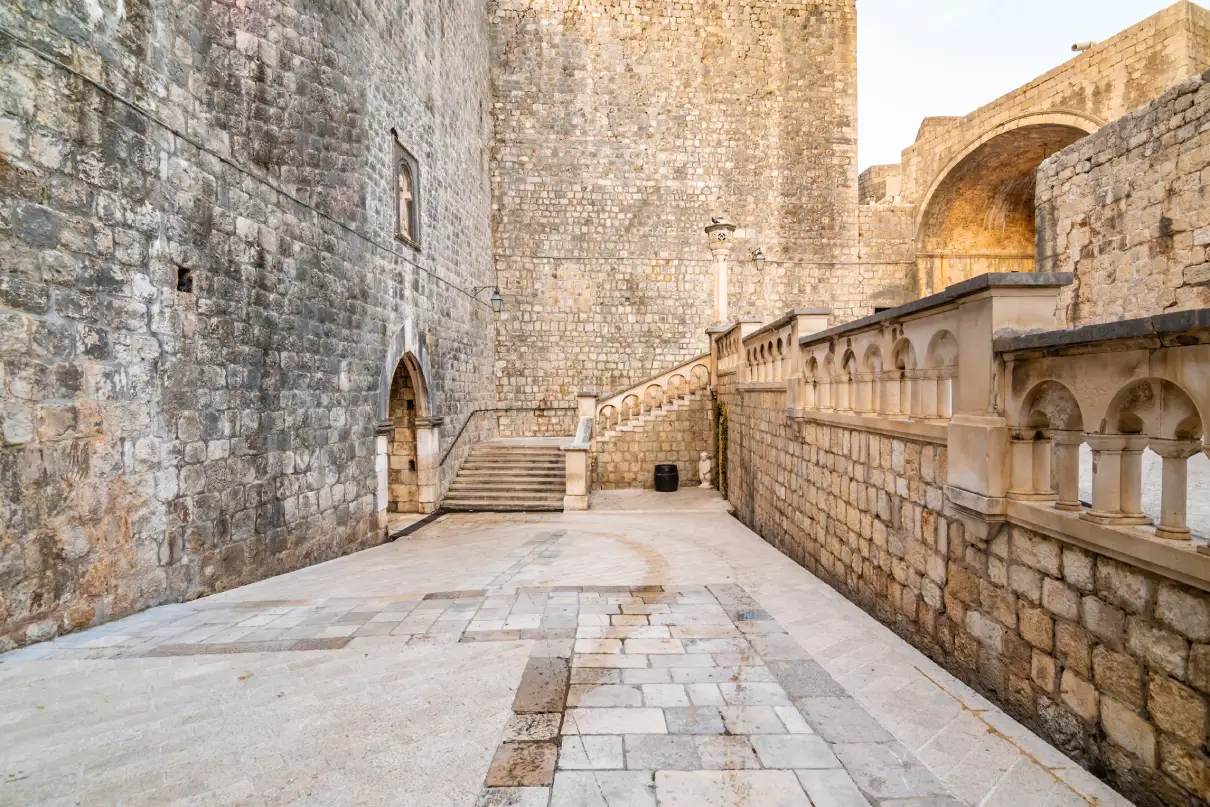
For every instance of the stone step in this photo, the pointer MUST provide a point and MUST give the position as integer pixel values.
(503, 506)
(508, 485)
(512, 467)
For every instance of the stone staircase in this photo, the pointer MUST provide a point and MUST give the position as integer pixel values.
(641, 421)
(510, 475)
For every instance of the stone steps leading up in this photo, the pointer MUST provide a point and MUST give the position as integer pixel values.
(508, 477)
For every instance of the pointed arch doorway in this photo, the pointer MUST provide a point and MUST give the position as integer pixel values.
(407, 442)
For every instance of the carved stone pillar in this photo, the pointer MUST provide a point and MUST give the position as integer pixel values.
(1021, 447)
(382, 449)
(1068, 471)
(1175, 491)
(1106, 478)
(721, 233)
(891, 388)
(1043, 452)
(1132, 480)
(428, 448)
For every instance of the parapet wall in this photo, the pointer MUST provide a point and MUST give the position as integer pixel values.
(944, 501)
(1125, 211)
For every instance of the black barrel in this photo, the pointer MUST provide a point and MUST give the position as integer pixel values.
(667, 478)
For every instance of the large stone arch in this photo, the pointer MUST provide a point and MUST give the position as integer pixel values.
(977, 215)
(406, 352)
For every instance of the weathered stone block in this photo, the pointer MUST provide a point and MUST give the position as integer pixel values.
(1185, 612)
(1036, 551)
(1177, 709)
(1079, 695)
(1118, 675)
(1125, 728)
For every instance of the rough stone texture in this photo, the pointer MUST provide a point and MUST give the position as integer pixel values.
(1125, 211)
(160, 444)
(620, 129)
(677, 434)
(1110, 676)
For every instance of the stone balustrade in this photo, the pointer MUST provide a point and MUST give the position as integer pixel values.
(1122, 388)
(653, 393)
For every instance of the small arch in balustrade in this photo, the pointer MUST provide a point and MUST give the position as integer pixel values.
(678, 387)
(607, 418)
(699, 376)
(631, 407)
(1046, 436)
(903, 360)
(811, 383)
(1146, 414)
(871, 397)
(937, 385)
(653, 397)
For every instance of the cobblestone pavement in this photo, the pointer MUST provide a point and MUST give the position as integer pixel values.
(651, 651)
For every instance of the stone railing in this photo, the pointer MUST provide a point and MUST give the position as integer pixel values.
(652, 394)
(1122, 388)
(770, 353)
(728, 344)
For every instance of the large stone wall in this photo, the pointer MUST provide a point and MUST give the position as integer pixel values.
(620, 129)
(1108, 662)
(161, 444)
(1126, 211)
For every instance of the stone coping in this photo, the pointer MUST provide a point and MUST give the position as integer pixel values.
(649, 379)
(921, 430)
(991, 280)
(1177, 560)
(1157, 327)
(727, 327)
(787, 318)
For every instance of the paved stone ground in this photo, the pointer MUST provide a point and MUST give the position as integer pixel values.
(651, 651)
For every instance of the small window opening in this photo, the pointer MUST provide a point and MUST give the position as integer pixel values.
(411, 465)
(184, 280)
(407, 201)
(411, 404)
(879, 310)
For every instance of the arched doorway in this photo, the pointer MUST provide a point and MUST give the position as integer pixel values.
(403, 485)
(408, 437)
(978, 216)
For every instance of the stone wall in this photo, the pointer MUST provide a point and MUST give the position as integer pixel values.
(886, 258)
(620, 128)
(872, 183)
(627, 458)
(1125, 210)
(1107, 661)
(160, 444)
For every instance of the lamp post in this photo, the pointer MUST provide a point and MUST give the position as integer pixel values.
(720, 232)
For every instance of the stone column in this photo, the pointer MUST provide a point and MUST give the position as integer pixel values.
(1043, 452)
(428, 452)
(721, 233)
(1132, 480)
(891, 387)
(1175, 491)
(1068, 471)
(382, 449)
(1021, 476)
(1106, 478)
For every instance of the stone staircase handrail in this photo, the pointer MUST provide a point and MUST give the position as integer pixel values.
(696, 376)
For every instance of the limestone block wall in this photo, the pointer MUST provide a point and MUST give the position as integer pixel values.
(199, 284)
(886, 257)
(1107, 661)
(627, 459)
(620, 129)
(1125, 210)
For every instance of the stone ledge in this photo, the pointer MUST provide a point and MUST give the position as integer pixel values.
(908, 429)
(1177, 560)
(1157, 328)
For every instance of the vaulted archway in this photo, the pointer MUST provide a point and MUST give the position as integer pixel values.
(978, 215)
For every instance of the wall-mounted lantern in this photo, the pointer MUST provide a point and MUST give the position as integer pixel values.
(758, 258)
(496, 300)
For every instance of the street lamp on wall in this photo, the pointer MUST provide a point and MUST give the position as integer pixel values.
(758, 258)
(496, 300)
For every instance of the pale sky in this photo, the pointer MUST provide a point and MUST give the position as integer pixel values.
(917, 58)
